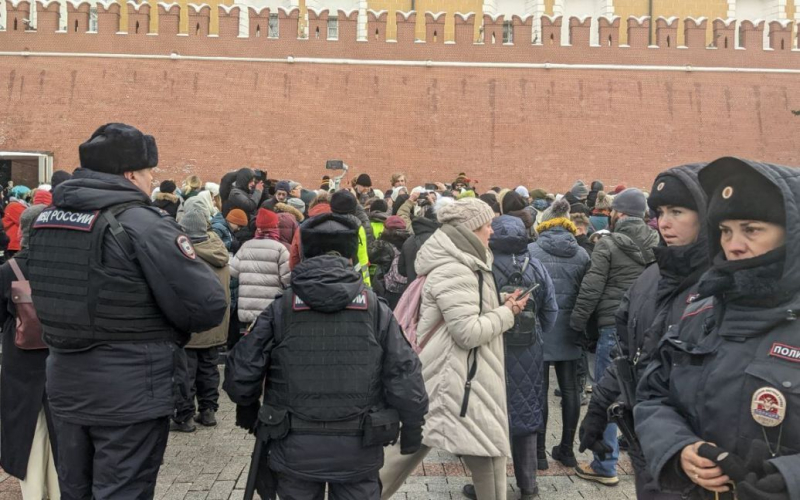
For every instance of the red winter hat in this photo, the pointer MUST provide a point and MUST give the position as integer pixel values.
(266, 219)
(620, 188)
(43, 197)
(394, 222)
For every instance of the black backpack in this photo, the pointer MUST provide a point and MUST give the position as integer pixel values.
(524, 333)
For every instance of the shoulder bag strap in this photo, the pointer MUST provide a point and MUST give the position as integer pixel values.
(473, 368)
(118, 232)
(16, 269)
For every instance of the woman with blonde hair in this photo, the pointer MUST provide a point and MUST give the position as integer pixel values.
(191, 186)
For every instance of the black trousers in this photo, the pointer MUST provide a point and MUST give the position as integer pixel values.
(196, 376)
(292, 488)
(110, 463)
(567, 376)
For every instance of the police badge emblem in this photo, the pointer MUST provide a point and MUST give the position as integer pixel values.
(768, 407)
(186, 247)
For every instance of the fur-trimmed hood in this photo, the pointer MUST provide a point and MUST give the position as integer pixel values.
(562, 222)
(170, 197)
(288, 209)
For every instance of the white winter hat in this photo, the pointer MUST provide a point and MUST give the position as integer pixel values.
(470, 213)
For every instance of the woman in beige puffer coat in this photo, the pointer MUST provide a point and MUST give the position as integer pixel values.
(262, 267)
(456, 323)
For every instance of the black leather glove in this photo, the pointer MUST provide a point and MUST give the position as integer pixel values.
(770, 487)
(592, 429)
(247, 416)
(410, 439)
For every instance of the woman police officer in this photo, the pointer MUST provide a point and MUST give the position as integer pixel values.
(718, 413)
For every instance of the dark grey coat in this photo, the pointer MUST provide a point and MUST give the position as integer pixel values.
(617, 261)
(566, 263)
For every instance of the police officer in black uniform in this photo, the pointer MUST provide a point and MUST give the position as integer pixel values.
(117, 287)
(720, 405)
(340, 375)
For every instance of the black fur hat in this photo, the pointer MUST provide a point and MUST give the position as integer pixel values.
(330, 233)
(115, 148)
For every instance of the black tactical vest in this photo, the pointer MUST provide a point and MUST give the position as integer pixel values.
(327, 366)
(79, 300)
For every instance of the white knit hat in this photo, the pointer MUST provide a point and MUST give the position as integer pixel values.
(471, 213)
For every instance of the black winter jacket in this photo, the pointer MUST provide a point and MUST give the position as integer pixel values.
(617, 260)
(423, 229)
(328, 283)
(567, 263)
(126, 383)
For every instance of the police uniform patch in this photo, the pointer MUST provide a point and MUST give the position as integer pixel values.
(186, 247)
(359, 302)
(299, 305)
(56, 218)
(768, 407)
(786, 352)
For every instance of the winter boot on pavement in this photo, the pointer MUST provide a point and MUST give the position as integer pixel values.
(186, 426)
(565, 456)
(585, 471)
(541, 455)
(469, 491)
(206, 418)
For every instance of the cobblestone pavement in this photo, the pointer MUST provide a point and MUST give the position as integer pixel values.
(211, 464)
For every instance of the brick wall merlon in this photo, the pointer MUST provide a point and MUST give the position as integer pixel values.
(780, 34)
(609, 30)
(751, 34)
(724, 33)
(639, 31)
(667, 32)
(464, 28)
(551, 30)
(434, 27)
(694, 32)
(377, 22)
(580, 29)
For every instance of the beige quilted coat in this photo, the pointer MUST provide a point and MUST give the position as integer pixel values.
(451, 292)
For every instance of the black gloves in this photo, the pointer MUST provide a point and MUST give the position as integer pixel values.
(247, 416)
(733, 466)
(410, 439)
(755, 478)
(770, 487)
(592, 429)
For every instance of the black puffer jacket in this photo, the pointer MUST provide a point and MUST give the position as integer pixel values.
(423, 229)
(617, 261)
(566, 263)
(329, 284)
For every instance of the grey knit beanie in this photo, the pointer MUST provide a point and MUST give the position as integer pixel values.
(26, 222)
(630, 202)
(470, 213)
(579, 190)
(195, 224)
(559, 209)
(297, 203)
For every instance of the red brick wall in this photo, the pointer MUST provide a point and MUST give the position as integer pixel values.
(541, 128)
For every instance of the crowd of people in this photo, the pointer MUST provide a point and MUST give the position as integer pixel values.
(669, 313)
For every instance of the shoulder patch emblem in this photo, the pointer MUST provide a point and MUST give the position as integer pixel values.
(768, 407)
(299, 305)
(359, 302)
(56, 218)
(786, 352)
(186, 247)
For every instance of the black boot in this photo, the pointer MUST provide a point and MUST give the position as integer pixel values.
(206, 418)
(565, 456)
